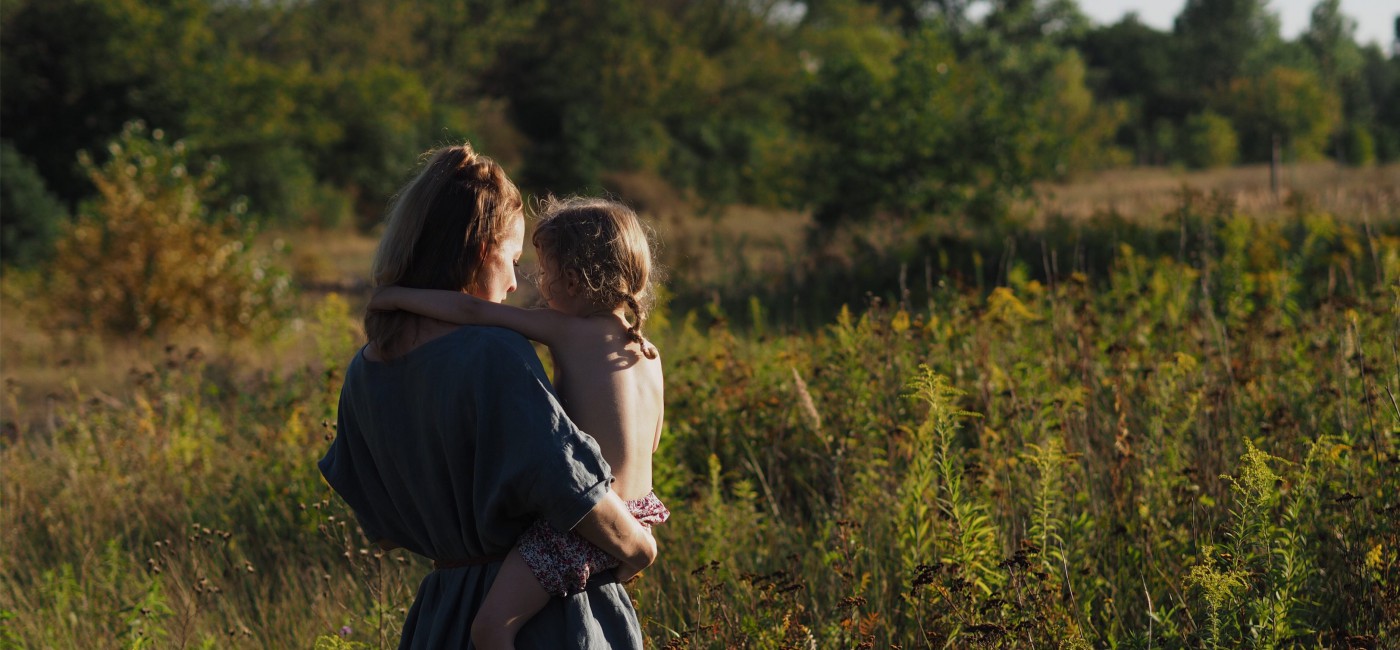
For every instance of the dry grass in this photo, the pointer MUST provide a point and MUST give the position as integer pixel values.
(41, 366)
(1145, 192)
(323, 260)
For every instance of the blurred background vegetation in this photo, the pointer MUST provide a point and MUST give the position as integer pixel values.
(984, 325)
(844, 108)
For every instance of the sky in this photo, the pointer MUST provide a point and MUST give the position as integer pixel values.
(1375, 18)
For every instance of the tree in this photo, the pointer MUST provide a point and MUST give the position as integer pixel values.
(32, 216)
(1219, 41)
(76, 70)
(1132, 63)
(583, 84)
(924, 133)
(697, 92)
(1381, 81)
(929, 126)
(1285, 102)
(1331, 37)
(1129, 60)
(727, 118)
(1331, 40)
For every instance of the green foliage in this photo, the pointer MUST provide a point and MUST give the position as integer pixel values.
(694, 92)
(146, 258)
(1261, 595)
(1208, 140)
(936, 475)
(1048, 526)
(32, 216)
(77, 70)
(915, 127)
(329, 642)
(1355, 146)
(1218, 41)
(1282, 102)
(1218, 588)
(1331, 38)
(839, 106)
(972, 543)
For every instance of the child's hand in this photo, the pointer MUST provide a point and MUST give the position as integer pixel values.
(383, 299)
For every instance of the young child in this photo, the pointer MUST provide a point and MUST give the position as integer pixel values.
(595, 263)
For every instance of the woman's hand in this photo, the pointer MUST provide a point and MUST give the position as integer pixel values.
(612, 528)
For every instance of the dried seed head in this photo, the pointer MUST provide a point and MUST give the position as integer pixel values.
(807, 406)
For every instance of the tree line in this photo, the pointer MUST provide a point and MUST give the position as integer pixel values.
(313, 109)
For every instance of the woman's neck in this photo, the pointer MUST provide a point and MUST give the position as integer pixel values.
(416, 332)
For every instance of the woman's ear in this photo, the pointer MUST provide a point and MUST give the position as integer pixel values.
(572, 281)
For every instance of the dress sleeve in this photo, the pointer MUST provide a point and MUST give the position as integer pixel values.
(536, 459)
(350, 470)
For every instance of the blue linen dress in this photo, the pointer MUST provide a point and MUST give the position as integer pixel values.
(451, 451)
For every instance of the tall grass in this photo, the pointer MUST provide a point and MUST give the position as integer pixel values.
(1178, 445)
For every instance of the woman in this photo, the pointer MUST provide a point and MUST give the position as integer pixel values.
(450, 441)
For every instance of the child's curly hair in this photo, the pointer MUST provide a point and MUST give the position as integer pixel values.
(605, 244)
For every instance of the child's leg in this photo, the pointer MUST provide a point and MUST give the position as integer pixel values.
(514, 598)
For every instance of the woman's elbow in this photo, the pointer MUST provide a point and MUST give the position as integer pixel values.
(647, 551)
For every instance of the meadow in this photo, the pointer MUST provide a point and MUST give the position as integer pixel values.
(1166, 420)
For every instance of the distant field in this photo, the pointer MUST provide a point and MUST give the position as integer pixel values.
(1358, 193)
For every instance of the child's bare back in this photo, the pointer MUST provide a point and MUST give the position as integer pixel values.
(614, 393)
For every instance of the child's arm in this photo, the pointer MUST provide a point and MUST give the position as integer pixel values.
(543, 325)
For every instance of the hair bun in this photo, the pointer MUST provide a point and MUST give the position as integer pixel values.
(477, 168)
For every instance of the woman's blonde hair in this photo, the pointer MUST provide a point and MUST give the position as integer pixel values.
(604, 244)
(439, 227)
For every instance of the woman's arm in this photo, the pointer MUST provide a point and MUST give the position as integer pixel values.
(543, 325)
(612, 528)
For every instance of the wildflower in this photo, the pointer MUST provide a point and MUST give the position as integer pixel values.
(1004, 307)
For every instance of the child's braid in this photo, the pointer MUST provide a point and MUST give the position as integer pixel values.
(634, 333)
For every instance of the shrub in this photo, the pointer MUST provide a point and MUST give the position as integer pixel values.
(145, 257)
(1208, 140)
